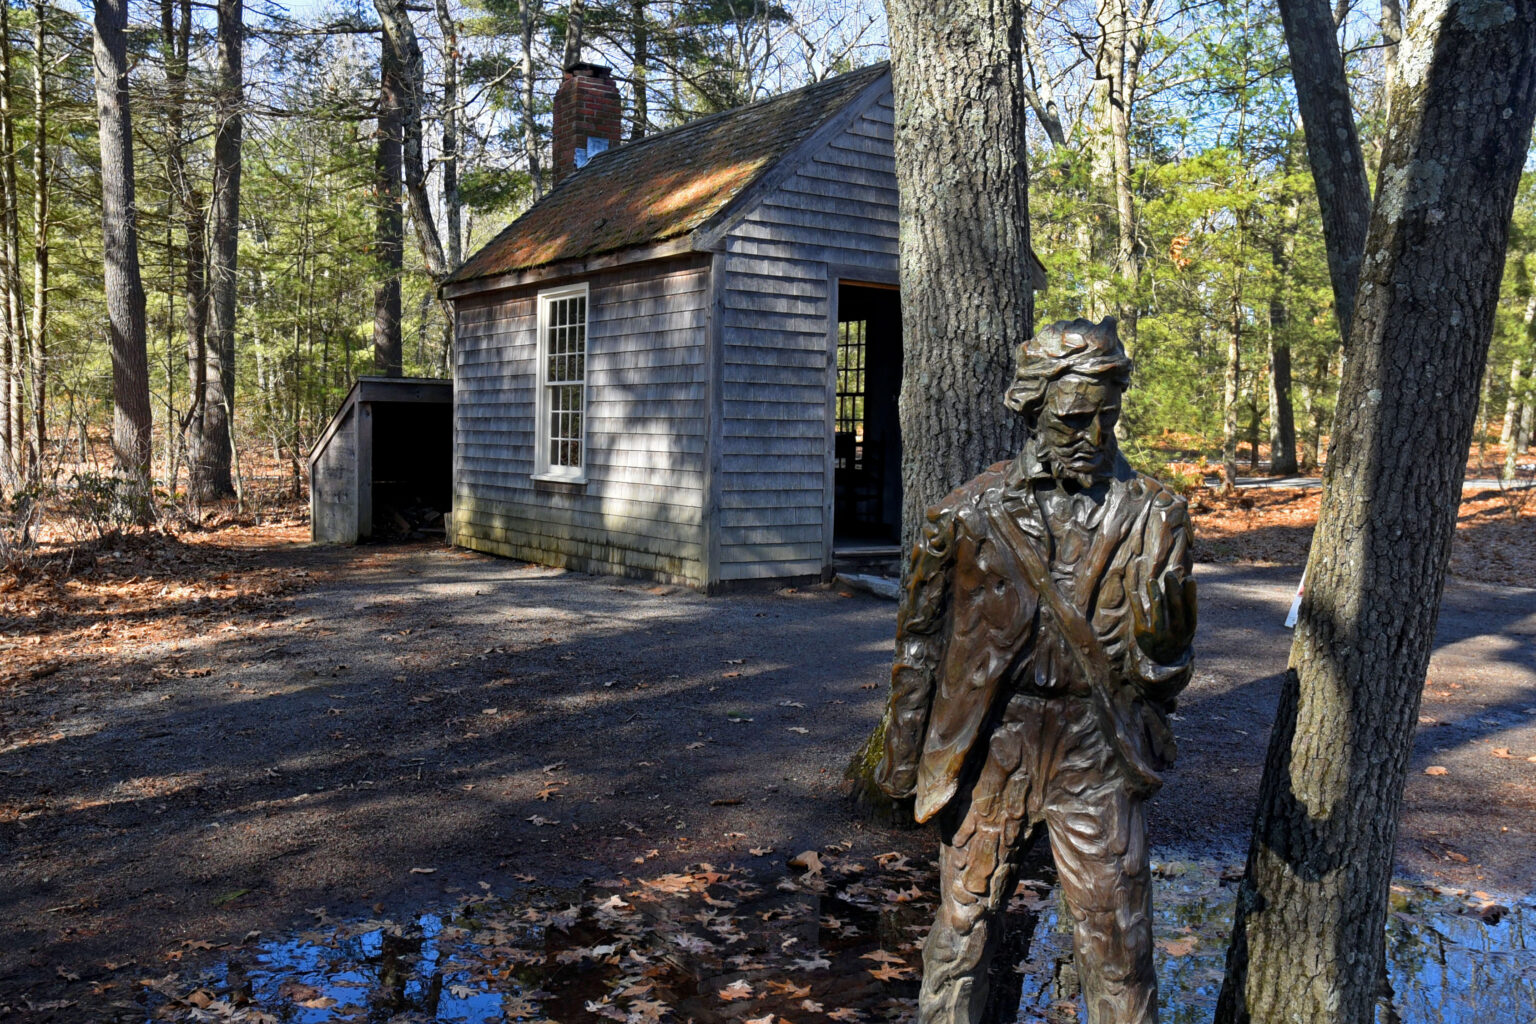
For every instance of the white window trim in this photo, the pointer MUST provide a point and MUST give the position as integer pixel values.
(542, 469)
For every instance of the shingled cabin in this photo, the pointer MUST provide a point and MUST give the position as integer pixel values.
(683, 362)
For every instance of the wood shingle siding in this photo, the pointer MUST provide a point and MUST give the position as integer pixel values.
(639, 511)
(837, 211)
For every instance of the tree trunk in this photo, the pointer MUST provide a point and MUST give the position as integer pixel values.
(1229, 391)
(640, 37)
(1517, 368)
(526, 10)
(40, 186)
(1282, 418)
(176, 35)
(453, 250)
(10, 263)
(1115, 64)
(1309, 934)
(131, 418)
(574, 16)
(966, 301)
(211, 474)
(412, 77)
(389, 225)
(1333, 146)
(1038, 90)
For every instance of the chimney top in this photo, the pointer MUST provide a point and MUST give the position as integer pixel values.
(586, 116)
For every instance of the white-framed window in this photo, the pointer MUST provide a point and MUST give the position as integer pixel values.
(560, 437)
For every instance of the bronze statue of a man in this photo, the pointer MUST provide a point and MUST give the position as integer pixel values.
(1043, 635)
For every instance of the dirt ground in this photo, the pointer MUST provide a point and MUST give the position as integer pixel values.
(212, 734)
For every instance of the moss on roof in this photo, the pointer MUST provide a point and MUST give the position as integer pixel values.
(665, 185)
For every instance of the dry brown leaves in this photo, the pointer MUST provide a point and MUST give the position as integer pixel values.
(1495, 537)
(97, 604)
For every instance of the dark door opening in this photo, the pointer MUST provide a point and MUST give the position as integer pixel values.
(867, 432)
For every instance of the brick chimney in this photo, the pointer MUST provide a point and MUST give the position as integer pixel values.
(586, 117)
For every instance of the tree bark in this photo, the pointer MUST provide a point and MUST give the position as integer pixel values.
(453, 249)
(1116, 64)
(211, 474)
(574, 16)
(526, 10)
(965, 263)
(40, 187)
(389, 223)
(1038, 90)
(966, 301)
(10, 263)
(1309, 933)
(1282, 416)
(1231, 383)
(1517, 369)
(131, 417)
(396, 19)
(1333, 146)
(640, 38)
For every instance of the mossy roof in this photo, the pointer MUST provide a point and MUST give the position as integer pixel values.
(666, 185)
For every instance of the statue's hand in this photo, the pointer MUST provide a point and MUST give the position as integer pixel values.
(1163, 618)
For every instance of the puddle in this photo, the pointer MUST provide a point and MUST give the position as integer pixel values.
(838, 943)
(1446, 962)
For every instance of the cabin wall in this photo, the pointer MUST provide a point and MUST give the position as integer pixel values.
(836, 216)
(638, 514)
(333, 485)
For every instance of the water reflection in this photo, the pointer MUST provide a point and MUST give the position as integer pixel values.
(838, 943)
(1452, 958)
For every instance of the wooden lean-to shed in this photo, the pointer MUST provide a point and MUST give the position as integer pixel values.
(683, 362)
(384, 454)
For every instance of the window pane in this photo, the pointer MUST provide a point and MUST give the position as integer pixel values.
(564, 369)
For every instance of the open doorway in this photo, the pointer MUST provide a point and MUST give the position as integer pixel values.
(867, 430)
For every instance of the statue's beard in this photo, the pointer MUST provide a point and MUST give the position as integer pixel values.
(1055, 462)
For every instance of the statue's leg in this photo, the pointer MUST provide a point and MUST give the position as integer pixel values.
(1099, 841)
(985, 833)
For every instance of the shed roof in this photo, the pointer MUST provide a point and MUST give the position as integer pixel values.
(665, 185)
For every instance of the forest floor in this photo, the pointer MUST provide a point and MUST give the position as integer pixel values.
(223, 732)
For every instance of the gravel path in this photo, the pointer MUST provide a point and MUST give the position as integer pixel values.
(473, 718)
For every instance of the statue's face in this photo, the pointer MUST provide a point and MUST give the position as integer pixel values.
(1075, 430)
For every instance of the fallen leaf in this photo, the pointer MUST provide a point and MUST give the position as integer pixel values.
(726, 801)
(891, 973)
(809, 861)
(1503, 752)
(1182, 946)
(760, 851)
(695, 745)
(766, 1018)
(844, 1014)
(880, 956)
(738, 989)
(1435, 769)
(524, 878)
(539, 820)
(423, 871)
(789, 988)
(790, 704)
(799, 729)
